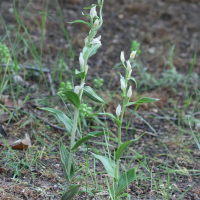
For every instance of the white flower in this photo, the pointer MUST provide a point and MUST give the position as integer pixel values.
(128, 67)
(132, 55)
(96, 23)
(77, 89)
(129, 74)
(96, 41)
(122, 57)
(118, 110)
(122, 85)
(93, 12)
(86, 40)
(129, 93)
(81, 60)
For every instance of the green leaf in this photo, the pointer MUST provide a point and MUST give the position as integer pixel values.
(80, 74)
(93, 49)
(133, 80)
(81, 21)
(118, 122)
(90, 6)
(143, 100)
(72, 97)
(85, 15)
(121, 77)
(64, 158)
(62, 117)
(70, 193)
(87, 137)
(125, 179)
(123, 146)
(108, 164)
(90, 93)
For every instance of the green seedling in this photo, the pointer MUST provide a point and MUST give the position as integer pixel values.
(135, 46)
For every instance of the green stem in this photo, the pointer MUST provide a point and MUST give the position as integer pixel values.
(76, 113)
(71, 154)
(119, 140)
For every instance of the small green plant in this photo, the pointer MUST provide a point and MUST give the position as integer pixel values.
(5, 57)
(4, 54)
(112, 165)
(135, 46)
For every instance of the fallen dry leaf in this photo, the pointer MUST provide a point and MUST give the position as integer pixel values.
(4, 117)
(19, 144)
(2, 170)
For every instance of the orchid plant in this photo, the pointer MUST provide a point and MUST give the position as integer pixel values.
(74, 96)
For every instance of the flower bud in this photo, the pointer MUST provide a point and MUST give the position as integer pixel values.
(132, 55)
(129, 74)
(77, 89)
(93, 12)
(96, 23)
(128, 65)
(118, 110)
(96, 41)
(81, 59)
(122, 57)
(122, 85)
(129, 93)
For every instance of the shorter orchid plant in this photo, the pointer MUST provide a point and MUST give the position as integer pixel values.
(120, 181)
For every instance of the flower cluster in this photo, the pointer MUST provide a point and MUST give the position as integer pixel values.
(123, 80)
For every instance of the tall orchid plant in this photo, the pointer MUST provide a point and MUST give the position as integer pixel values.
(92, 44)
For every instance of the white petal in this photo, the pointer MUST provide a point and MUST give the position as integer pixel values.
(77, 89)
(128, 65)
(132, 55)
(118, 110)
(93, 12)
(81, 59)
(129, 93)
(96, 41)
(122, 57)
(96, 23)
(122, 85)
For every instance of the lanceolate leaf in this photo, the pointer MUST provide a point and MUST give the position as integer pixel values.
(143, 100)
(85, 15)
(108, 164)
(72, 97)
(121, 77)
(93, 49)
(80, 21)
(124, 180)
(62, 117)
(123, 146)
(133, 80)
(87, 137)
(80, 74)
(70, 193)
(113, 117)
(64, 158)
(90, 6)
(90, 93)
